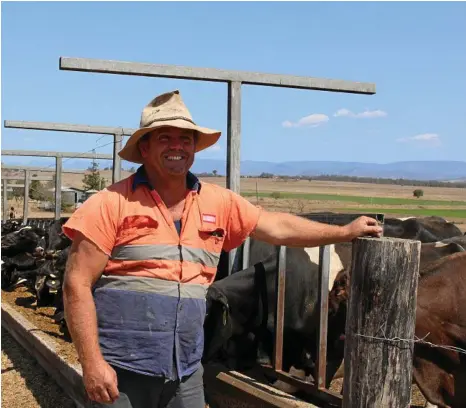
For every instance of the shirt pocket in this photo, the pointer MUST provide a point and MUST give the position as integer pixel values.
(135, 227)
(212, 237)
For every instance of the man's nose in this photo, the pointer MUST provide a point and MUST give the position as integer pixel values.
(175, 144)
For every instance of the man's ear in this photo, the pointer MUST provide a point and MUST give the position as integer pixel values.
(143, 146)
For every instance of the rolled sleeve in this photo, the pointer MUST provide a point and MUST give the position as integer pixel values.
(243, 218)
(96, 219)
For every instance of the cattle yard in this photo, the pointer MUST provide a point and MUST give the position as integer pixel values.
(31, 325)
(21, 303)
(303, 196)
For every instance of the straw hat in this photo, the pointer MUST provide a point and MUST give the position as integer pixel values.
(164, 110)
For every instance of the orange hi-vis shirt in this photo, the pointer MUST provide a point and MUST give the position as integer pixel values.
(129, 222)
(150, 300)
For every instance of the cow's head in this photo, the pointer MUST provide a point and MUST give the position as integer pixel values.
(218, 326)
(338, 304)
(338, 296)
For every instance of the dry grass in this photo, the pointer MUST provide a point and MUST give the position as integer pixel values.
(296, 205)
(345, 188)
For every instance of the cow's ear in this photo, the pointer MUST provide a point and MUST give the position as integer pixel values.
(218, 296)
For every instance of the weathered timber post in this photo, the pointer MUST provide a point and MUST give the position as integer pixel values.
(381, 312)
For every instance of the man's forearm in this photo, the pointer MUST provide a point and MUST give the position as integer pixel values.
(290, 230)
(81, 320)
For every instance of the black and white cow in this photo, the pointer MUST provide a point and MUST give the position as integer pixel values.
(239, 327)
(425, 229)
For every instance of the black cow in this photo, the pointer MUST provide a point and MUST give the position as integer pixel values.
(428, 229)
(24, 240)
(57, 240)
(10, 226)
(239, 327)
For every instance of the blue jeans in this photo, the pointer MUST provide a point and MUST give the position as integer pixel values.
(142, 391)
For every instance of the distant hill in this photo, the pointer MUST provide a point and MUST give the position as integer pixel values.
(415, 170)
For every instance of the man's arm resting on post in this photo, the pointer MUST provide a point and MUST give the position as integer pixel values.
(84, 267)
(286, 229)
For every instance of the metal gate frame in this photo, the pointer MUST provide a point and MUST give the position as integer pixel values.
(58, 169)
(234, 81)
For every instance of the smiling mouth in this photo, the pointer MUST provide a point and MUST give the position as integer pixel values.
(174, 158)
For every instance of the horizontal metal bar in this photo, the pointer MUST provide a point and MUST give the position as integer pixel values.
(66, 127)
(214, 75)
(39, 153)
(41, 169)
(15, 185)
(39, 178)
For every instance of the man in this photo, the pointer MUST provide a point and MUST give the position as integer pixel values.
(12, 213)
(144, 252)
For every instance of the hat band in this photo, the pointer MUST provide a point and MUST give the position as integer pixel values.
(170, 118)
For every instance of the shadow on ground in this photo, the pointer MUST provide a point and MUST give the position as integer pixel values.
(43, 388)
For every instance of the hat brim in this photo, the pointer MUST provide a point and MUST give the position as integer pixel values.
(206, 138)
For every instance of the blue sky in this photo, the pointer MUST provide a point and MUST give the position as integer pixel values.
(414, 52)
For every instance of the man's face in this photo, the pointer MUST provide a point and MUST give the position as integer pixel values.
(169, 150)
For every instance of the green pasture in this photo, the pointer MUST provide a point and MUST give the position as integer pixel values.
(360, 200)
(407, 211)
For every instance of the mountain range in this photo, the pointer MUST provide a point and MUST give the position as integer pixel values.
(415, 170)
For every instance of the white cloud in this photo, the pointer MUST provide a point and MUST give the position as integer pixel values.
(314, 120)
(214, 148)
(366, 114)
(426, 138)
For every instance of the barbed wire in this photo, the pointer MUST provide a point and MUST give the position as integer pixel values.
(416, 340)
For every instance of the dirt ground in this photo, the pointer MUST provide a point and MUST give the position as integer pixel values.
(22, 301)
(25, 384)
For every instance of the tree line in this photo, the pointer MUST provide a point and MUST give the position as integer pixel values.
(372, 180)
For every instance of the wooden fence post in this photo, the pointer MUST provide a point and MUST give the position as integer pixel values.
(381, 311)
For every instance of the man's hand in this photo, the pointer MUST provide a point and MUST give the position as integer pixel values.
(363, 226)
(100, 381)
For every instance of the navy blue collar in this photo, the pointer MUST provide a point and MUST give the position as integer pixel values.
(141, 178)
